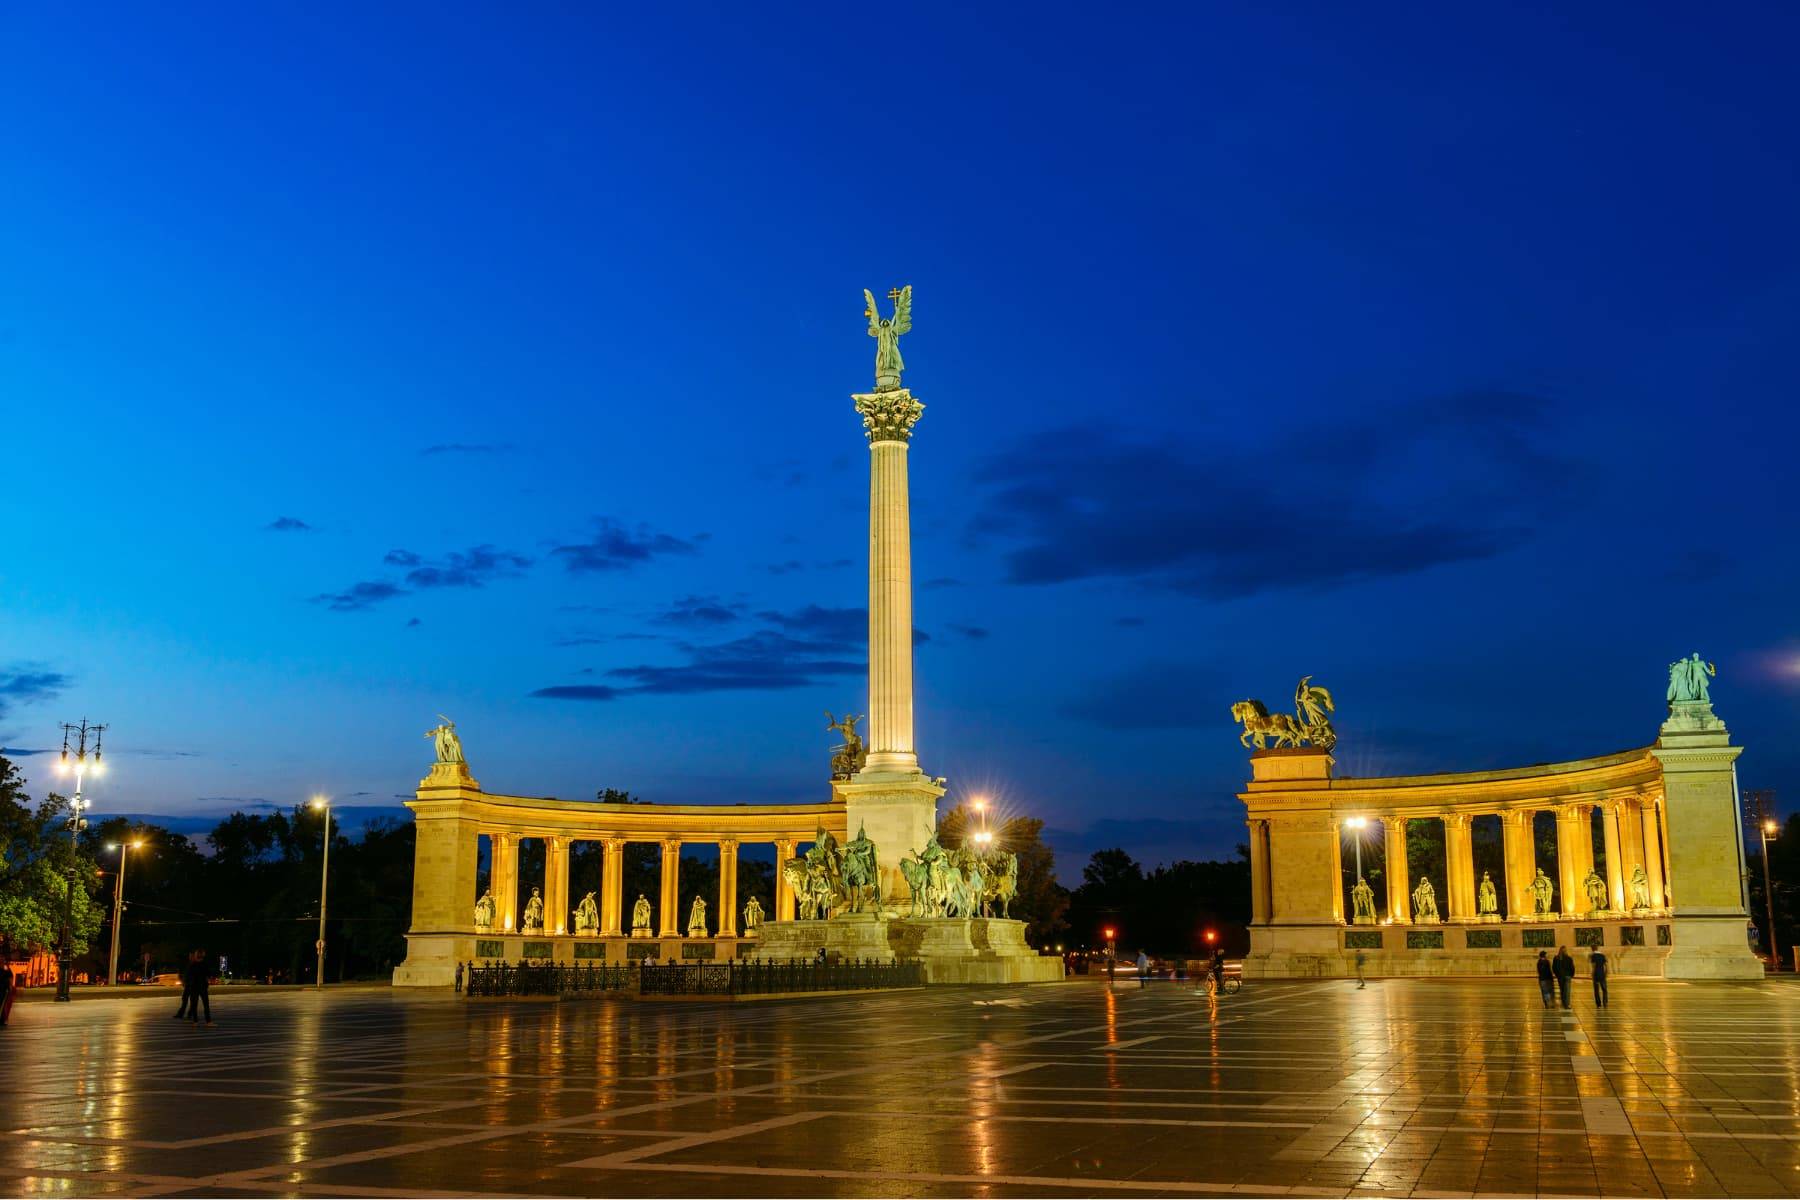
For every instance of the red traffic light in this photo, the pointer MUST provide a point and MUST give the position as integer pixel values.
(1109, 933)
(1211, 937)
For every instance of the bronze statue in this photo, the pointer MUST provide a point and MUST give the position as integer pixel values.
(1311, 722)
(888, 363)
(847, 759)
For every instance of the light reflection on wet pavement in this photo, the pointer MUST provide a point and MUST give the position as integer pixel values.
(1422, 1087)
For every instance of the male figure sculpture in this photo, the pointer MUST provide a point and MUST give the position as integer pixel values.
(1595, 887)
(534, 913)
(640, 917)
(753, 917)
(587, 915)
(1640, 888)
(484, 912)
(1425, 902)
(1362, 902)
(1542, 892)
(1487, 901)
(697, 918)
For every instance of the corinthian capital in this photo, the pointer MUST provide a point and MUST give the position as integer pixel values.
(889, 416)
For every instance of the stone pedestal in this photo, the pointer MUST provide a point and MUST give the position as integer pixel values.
(951, 949)
(898, 810)
(1705, 847)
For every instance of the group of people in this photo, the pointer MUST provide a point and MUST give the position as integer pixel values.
(196, 989)
(1556, 974)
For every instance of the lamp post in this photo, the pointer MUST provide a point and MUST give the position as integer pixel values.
(1357, 825)
(1111, 958)
(1769, 827)
(80, 764)
(124, 849)
(324, 806)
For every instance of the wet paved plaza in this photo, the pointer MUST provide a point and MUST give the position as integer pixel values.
(1426, 1087)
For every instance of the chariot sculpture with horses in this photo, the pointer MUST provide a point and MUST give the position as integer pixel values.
(1310, 724)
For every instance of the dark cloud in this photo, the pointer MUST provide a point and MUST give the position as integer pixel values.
(22, 752)
(366, 593)
(700, 611)
(974, 633)
(834, 629)
(1458, 478)
(577, 692)
(468, 448)
(467, 568)
(400, 558)
(785, 568)
(288, 525)
(613, 547)
(29, 683)
(414, 623)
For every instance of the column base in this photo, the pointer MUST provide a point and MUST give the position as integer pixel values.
(898, 812)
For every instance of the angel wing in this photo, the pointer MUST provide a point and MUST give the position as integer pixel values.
(903, 311)
(869, 310)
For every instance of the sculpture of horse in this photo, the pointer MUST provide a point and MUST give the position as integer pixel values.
(1260, 724)
(917, 873)
(1002, 883)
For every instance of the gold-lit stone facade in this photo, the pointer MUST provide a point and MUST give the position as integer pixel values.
(1667, 810)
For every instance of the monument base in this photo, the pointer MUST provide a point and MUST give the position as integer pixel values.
(951, 949)
(898, 810)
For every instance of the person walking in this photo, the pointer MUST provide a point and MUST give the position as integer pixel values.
(187, 986)
(1546, 979)
(201, 988)
(459, 979)
(1563, 966)
(1143, 970)
(1597, 961)
(6, 992)
(1362, 961)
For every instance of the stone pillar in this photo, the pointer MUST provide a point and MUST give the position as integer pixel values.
(888, 417)
(445, 849)
(1399, 898)
(1568, 857)
(728, 889)
(1521, 861)
(506, 889)
(556, 885)
(1703, 840)
(612, 888)
(1459, 866)
(1337, 872)
(1615, 863)
(668, 916)
(1631, 841)
(784, 891)
(1650, 824)
(1259, 873)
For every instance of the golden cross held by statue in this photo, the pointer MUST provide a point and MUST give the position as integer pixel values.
(894, 294)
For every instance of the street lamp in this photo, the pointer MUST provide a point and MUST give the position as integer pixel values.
(1769, 829)
(80, 765)
(112, 970)
(324, 806)
(1111, 957)
(1357, 825)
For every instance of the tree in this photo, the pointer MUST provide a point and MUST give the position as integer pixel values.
(39, 863)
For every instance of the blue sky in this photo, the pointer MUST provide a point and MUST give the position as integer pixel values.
(362, 363)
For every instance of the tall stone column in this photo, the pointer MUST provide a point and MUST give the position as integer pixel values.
(1615, 861)
(784, 891)
(1521, 861)
(1651, 826)
(1568, 858)
(890, 799)
(506, 872)
(1259, 873)
(556, 885)
(1459, 866)
(669, 919)
(445, 848)
(1631, 841)
(612, 888)
(1399, 896)
(728, 889)
(1337, 872)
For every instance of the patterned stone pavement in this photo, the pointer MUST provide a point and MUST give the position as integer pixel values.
(1416, 1087)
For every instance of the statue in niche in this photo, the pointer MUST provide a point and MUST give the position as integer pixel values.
(1542, 893)
(1362, 902)
(1595, 887)
(1425, 902)
(640, 917)
(697, 919)
(449, 746)
(888, 363)
(484, 911)
(753, 917)
(1487, 900)
(534, 913)
(862, 880)
(846, 759)
(1688, 680)
(1640, 888)
(587, 916)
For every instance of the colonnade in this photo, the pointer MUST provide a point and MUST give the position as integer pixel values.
(671, 916)
(1632, 836)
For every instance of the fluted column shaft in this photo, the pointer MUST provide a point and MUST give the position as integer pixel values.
(784, 891)
(669, 918)
(1398, 896)
(1615, 863)
(556, 885)
(1459, 867)
(1521, 861)
(890, 611)
(612, 888)
(1568, 859)
(728, 889)
(1259, 873)
(505, 871)
(1651, 824)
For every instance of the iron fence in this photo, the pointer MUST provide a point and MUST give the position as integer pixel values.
(758, 976)
(548, 979)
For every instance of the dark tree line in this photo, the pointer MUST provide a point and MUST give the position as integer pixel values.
(1166, 911)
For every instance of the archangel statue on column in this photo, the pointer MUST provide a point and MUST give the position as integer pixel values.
(886, 332)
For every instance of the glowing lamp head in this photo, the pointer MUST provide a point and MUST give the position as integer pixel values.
(319, 803)
(136, 845)
(1769, 827)
(979, 803)
(1108, 931)
(112, 845)
(1357, 822)
(1211, 937)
